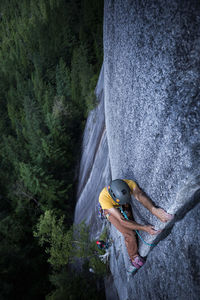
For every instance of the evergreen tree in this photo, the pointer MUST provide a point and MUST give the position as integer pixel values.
(50, 57)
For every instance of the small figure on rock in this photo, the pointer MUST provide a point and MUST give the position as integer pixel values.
(102, 245)
(118, 195)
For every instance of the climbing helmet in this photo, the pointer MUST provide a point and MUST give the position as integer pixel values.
(119, 191)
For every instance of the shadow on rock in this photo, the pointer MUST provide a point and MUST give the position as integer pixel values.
(180, 214)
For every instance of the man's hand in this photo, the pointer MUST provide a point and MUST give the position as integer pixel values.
(151, 230)
(162, 215)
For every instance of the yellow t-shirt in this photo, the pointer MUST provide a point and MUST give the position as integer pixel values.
(107, 201)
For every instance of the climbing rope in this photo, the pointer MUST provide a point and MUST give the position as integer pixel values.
(125, 216)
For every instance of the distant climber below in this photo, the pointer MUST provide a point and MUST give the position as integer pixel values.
(118, 195)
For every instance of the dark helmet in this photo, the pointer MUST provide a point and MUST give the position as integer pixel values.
(120, 191)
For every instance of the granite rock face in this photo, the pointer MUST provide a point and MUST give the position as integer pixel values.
(172, 268)
(94, 170)
(151, 96)
(152, 99)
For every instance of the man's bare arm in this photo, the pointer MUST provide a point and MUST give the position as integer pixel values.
(131, 224)
(142, 198)
(158, 212)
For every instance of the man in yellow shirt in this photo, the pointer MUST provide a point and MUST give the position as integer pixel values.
(117, 194)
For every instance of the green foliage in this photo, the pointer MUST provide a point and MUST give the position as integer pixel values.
(51, 232)
(50, 57)
(64, 246)
(83, 79)
(98, 266)
(72, 286)
(104, 234)
(20, 259)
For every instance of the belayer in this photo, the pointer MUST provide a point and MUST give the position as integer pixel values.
(118, 194)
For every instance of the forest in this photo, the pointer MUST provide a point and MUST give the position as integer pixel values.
(51, 52)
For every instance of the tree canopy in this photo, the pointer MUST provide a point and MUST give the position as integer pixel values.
(50, 58)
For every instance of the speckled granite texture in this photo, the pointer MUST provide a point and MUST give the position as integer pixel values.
(152, 111)
(152, 117)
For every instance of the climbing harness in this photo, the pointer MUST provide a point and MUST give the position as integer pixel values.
(103, 217)
(125, 216)
(101, 213)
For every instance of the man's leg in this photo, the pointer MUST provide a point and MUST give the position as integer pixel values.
(129, 236)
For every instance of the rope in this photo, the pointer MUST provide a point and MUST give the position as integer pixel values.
(125, 216)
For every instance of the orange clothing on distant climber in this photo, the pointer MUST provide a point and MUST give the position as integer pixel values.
(106, 200)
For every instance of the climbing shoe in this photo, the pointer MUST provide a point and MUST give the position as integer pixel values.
(137, 261)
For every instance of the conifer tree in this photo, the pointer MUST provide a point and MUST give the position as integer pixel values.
(48, 71)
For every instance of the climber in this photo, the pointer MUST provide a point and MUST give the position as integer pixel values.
(118, 194)
(102, 245)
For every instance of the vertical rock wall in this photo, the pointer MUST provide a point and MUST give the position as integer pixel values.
(151, 90)
(94, 171)
(152, 110)
(152, 103)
